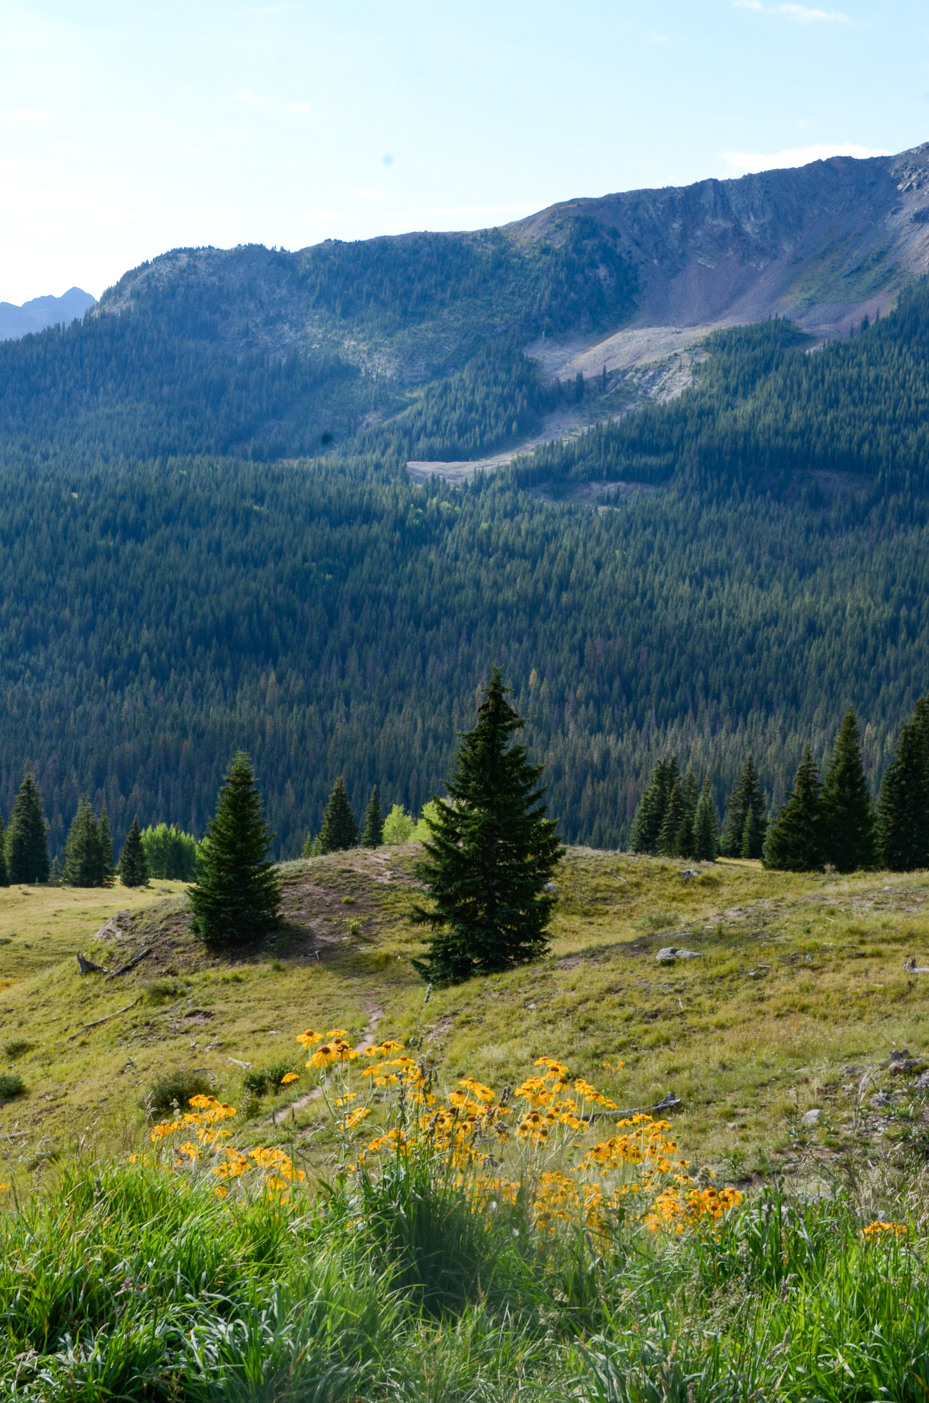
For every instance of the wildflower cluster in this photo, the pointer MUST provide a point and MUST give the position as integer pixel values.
(208, 1147)
(471, 1132)
(691, 1208)
(879, 1231)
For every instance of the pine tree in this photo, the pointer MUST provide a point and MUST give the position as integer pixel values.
(685, 839)
(339, 830)
(88, 849)
(237, 893)
(491, 854)
(706, 829)
(373, 834)
(26, 836)
(54, 876)
(4, 870)
(133, 865)
(747, 799)
(847, 810)
(671, 823)
(646, 829)
(105, 846)
(903, 805)
(794, 839)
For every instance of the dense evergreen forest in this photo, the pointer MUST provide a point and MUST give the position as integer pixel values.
(336, 619)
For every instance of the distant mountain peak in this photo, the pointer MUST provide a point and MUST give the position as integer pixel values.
(41, 312)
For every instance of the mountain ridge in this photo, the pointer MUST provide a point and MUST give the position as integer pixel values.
(41, 312)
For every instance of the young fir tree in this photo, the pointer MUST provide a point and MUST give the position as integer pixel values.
(133, 864)
(848, 835)
(685, 838)
(236, 896)
(491, 854)
(339, 830)
(746, 802)
(373, 834)
(26, 841)
(88, 850)
(903, 805)
(794, 839)
(706, 828)
(671, 823)
(4, 870)
(646, 827)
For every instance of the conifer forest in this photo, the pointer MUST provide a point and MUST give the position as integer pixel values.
(178, 581)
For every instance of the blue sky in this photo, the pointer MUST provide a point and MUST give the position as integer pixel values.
(130, 128)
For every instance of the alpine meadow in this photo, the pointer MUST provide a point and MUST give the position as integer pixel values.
(464, 811)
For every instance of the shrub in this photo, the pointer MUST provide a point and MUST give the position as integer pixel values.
(176, 1088)
(398, 826)
(11, 1086)
(260, 1080)
(17, 1047)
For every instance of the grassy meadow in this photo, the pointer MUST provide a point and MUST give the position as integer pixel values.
(125, 1274)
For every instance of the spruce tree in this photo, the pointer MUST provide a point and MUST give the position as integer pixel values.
(794, 839)
(685, 839)
(339, 830)
(846, 807)
(646, 827)
(491, 854)
(4, 870)
(88, 849)
(706, 828)
(105, 846)
(903, 805)
(671, 823)
(236, 896)
(133, 865)
(26, 836)
(747, 801)
(373, 834)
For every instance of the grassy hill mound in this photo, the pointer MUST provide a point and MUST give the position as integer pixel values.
(794, 1002)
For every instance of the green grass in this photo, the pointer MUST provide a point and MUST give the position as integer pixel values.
(118, 1281)
(799, 977)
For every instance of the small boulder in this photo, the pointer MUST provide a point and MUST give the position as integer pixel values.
(550, 886)
(811, 1117)
(670, 953)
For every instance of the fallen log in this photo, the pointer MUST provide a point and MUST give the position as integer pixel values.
(106, 1018)
(130, 964)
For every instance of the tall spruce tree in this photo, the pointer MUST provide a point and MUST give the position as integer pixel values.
(672, 821)
(133, 864)
(903, 805)
(491, 854)
(26, 836)
(236, 897)
(88, 849)
(706, 827)
(685, 839)
(339, 830)
(373, 834)
(794, 839)
(848, 829)
(646, 828)
(746, 802)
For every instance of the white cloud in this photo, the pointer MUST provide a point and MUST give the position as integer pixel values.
(30, 114)
(743, 162)
(250, 99)
(368, 192)
(299, 107)
(802, 14)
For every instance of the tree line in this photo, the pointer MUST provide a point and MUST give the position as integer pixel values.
(828, 819)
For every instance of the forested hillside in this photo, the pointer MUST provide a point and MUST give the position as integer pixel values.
(769, 403)
(335, 619)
